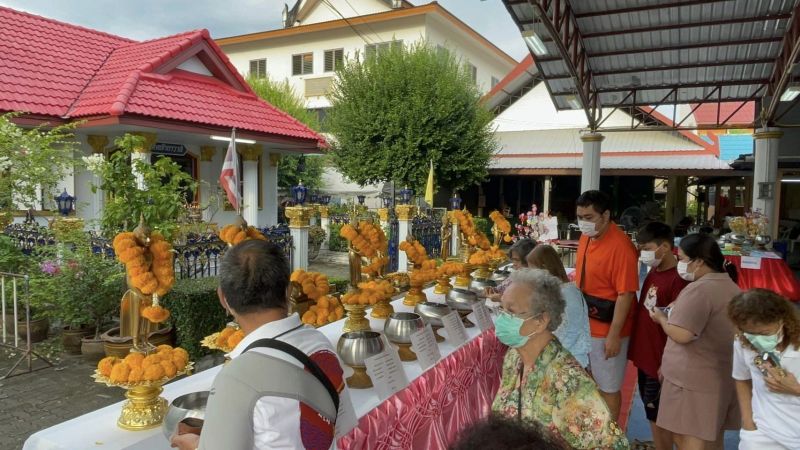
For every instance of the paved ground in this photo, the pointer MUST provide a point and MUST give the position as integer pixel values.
(34, 401)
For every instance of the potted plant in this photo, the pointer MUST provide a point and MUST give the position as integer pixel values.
(316, 236)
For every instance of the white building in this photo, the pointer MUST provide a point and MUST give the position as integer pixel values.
(320, 34)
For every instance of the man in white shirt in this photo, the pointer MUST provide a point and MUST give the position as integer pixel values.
(285, 414)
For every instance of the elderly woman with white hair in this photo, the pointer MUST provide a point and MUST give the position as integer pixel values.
(542, 382)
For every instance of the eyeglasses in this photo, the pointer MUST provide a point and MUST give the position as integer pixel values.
(502, 310)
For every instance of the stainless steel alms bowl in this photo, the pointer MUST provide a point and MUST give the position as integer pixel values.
(189, 407)
(401, 325)
(461, 299)
(479, 285)
(499, 275)
(356, 346)
(432, 312)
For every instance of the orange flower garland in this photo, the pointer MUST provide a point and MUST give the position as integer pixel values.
(314, 284)
(467, 226)
(155, 313)
(484, 256)
(451, 268)
(137, 367)
(500, 222)
(327, 309)
(369, 240)
(369, 293)
(233, 234)
(415, 251)
(157, 276)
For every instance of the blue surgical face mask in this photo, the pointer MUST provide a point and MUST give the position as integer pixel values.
(507, 327)
(765, 343)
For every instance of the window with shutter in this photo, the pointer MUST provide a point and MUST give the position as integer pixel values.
(258, 68)
(473, 72)
(333, 59)
(303, 64)
(376, 49)
(370, 50)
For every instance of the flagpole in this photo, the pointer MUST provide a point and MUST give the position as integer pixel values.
(238, 175)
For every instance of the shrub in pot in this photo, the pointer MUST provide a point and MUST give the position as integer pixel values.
(316, 236)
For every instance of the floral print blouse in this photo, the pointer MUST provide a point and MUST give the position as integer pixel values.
(558, 395)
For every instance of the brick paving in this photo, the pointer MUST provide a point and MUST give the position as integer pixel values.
(34, 401)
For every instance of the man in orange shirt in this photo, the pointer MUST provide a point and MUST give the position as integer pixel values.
(607, 271)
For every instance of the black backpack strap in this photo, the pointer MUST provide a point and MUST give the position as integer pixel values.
(312, 367)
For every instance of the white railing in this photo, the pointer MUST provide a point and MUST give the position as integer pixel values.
(17, 286)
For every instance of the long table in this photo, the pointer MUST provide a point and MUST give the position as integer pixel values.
(470, 374)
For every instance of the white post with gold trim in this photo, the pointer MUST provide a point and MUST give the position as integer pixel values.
(765, 173)
(590, 171)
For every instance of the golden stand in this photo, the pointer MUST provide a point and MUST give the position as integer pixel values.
(382, 310)
(464, 314)
(359, 379)
(143, 410)
(414, 296)
(443, 285)
(464, 278)
(436, 334)
(405, 352)
(483, 272)
(356, 318)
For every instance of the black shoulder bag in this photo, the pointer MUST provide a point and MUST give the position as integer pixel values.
(599, 308)
(312, 367)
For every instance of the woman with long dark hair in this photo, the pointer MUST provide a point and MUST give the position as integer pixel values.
(698, 400)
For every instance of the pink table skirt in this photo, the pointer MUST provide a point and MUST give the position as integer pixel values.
(435, 407)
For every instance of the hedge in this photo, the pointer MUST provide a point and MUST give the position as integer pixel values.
(196, 313)
(336, 243)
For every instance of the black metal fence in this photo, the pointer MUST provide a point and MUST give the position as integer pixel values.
(427, 229)
(196, 255)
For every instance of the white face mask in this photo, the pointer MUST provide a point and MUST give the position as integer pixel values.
(587, 228)
(683, 271)
(648, 258)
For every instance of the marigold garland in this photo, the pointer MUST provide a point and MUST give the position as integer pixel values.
(137, 367)
(233, 234)
(155, 313)
(369, 293)
(500, 222)
(156, 277)
(314, 284)
(467, 226)
(326, 310)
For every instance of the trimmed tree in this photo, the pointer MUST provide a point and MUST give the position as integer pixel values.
(394, 112)
(291, 169)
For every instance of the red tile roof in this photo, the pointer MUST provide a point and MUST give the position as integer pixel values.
(706, 114)
(57, 69)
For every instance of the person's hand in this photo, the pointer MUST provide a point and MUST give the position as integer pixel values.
(658, 316)
(186, 441)
(612, 346)
(748, 424)
(781, 382)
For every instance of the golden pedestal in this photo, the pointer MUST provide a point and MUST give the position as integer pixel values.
(382, 310)
(414, 296)
(359, 379)
(442, 286)
(356, 318)
(405, 352)
(483, 272)
(465, 277)
(144, 409)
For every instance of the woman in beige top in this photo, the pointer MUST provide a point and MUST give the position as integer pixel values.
(698, 397)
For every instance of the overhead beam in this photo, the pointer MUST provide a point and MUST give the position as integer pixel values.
(557, 18)
(770, 40)
(686, 66)
(677, 26)
(636, 9)
(782, 70)
(748, 82)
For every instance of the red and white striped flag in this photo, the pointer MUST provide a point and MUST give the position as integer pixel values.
(229, 178)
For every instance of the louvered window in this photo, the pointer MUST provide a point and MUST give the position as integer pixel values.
(371, 50)
(473, 72)
(334, 59)
(303, 64)
(258, 68)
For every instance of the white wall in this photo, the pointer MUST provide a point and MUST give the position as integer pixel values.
(279, 51)
(349, 8)
(489, 64)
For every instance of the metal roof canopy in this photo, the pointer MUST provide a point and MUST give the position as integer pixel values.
(625, 54)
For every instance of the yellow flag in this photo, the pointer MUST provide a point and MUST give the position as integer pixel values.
(429, 187)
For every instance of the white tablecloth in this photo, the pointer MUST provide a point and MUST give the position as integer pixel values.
(99, 430)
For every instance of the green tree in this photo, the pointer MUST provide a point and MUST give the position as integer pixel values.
(161, 203)
(282, 96)
(394, 112)
(32, 161)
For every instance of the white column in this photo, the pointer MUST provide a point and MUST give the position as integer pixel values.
(271, 190)
(548, 185)
(207, 153)
(142, 154)
(590, 172)
(325, 223)
(404, 215)
(90, 204)
(298, 227)
(250, 155)
(454, 236)
(765, 173)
